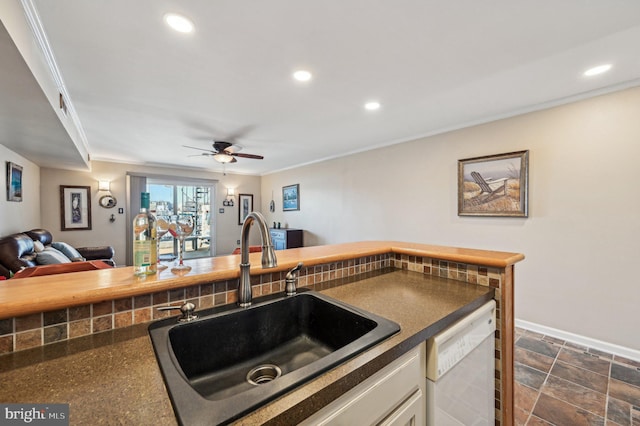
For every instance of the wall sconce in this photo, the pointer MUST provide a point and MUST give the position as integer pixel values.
(107, 201)
(104, 185)
(228, 202)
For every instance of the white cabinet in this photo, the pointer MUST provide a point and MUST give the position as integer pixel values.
(410, 413)
(392, 396)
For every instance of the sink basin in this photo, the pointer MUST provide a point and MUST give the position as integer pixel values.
(232, 360)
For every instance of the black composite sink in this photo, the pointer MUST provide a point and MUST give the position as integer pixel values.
(230, 362)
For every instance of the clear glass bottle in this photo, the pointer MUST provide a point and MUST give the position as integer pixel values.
(145, 251)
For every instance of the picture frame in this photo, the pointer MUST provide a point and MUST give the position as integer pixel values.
(494, 185)
(245, 206)
(291, 197)
(75, 208)
(14, 182)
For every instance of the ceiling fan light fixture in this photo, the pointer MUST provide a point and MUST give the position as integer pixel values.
(223, 158)
(179, 22)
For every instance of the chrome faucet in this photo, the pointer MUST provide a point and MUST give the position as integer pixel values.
(268, 256)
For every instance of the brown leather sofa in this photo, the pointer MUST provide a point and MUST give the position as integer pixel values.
(17, 251)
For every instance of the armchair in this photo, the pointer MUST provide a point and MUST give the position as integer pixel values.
(16, 252)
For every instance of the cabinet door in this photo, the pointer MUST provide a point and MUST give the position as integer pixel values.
(277, 234)
(392, 396)
(408, 414)
(279, 239)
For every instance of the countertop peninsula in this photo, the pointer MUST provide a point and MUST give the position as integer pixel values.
(113, 378)
(25, 296)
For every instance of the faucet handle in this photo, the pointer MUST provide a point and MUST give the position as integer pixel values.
(186, 309)
(291, 280)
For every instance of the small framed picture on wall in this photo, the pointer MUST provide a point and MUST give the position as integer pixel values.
(75, 208)
(245, 207)
(14, 182)
(291, 197)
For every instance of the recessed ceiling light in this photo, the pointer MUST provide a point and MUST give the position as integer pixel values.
(372, 106)
(179, 23)
(302, 75)
(597, 70)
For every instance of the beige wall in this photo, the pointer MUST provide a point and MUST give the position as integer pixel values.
(106, 233)
(19, 216)
(582, 236)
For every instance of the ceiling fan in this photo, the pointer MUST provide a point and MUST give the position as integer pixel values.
(224, 152)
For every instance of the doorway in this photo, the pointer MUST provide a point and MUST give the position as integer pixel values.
(168, 200)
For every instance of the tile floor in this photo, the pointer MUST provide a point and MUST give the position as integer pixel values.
(561, 383)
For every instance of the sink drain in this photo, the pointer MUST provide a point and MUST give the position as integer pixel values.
(263, 374)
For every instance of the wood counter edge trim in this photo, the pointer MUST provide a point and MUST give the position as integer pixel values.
(507, 341)
(504, 261)
(350, 251)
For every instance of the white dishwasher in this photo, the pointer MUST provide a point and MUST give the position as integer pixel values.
(460, 371)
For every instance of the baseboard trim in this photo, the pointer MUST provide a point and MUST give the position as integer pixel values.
(600, 345)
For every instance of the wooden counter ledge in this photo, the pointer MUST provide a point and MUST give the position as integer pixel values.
(25, 296)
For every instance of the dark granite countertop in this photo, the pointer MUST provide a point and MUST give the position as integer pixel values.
(113, 377)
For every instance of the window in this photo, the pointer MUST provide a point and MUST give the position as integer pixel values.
(168, 201)
(170, 196)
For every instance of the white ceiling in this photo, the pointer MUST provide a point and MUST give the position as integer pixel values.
(141, 90)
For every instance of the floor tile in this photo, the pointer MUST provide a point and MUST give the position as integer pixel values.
(559, 412)
(603, 355)
(626, 361)
(533, 359)
(553, 340)
(520, 416)
(625, 374)
(537, 421)
(538, 346)
(624, 391)
(580, 376)
(576, 346)
(619, 411)
(584, 360)
(524, 397)
(635, 416)
(577, 395)
(534, 335)
(529, 376)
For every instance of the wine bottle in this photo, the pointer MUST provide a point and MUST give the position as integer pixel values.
(145, 250)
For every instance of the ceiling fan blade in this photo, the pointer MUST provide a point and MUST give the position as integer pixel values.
(193, 147)
(254, 156)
